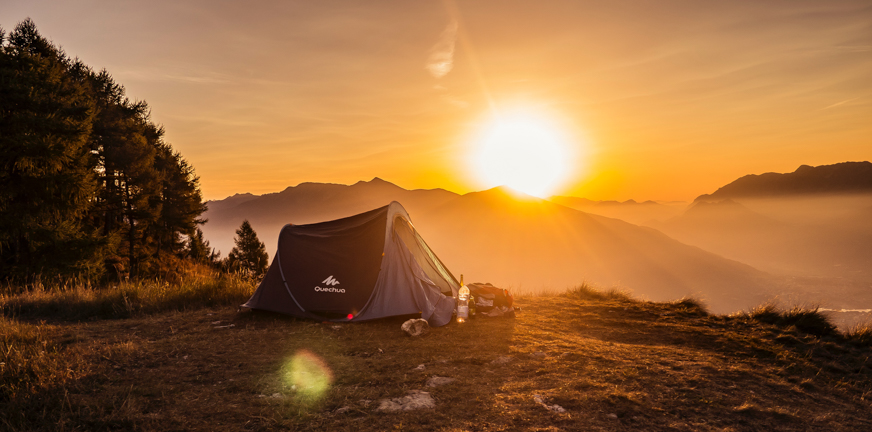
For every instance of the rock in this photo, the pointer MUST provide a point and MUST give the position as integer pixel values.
(502, 360)
(438, 381)
(342, 410)
(364, 402)
(413, 400)
(420, 367)
(541, 401)
(416, 327)
(612, 416)
(495, 312)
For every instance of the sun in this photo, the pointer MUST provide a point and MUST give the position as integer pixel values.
(524, 152)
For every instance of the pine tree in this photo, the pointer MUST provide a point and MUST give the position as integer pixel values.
(249, 255)
(86, 179)
(199, 250)
(181, 201)
(46, 180)
(126, 146)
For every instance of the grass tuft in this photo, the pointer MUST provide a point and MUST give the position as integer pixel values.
(691, 306)
(805, 319)
(587, 292)
(860, 334)
(767, 313)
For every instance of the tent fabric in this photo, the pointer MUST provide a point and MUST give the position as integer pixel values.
(367, 266)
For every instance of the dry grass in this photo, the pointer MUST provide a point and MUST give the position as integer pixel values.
(589, 292)
(860, 334)
(612, 362)
(124, 300)
(806, 319)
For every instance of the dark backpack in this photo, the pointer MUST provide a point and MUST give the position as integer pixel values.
(488, 296)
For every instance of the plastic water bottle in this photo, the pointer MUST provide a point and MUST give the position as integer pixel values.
(462, 302)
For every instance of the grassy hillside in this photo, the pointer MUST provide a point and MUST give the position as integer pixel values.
(609, 361)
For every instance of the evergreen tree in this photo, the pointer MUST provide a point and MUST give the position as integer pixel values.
(46, 180)
(86, 178)
(126, 144)
(181, 201)
(249, 255)
(199, 250)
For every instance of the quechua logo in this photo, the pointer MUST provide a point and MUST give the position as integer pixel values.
(331, 283)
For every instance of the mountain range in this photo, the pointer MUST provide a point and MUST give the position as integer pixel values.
(840, 178)
(640, 213)
(815, 222)
(511, 240)
(732, 252)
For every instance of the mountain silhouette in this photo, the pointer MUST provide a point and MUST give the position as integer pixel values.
(507, 238)
(514, 240)
(308, 203)
(640, 213)
(840, 178)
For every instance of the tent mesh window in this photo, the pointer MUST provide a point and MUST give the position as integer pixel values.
(428, 260)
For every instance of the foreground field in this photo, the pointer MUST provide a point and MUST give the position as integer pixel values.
(610, 362)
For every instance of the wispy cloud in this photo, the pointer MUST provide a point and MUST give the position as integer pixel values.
(442, 54)
(840, 103)
(156, 75)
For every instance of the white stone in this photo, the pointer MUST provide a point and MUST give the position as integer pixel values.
(541, 401)
(413, 400)
(416, 327)
(502, 360)
(437, 381)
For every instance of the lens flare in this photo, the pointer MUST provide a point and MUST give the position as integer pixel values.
(309, 375)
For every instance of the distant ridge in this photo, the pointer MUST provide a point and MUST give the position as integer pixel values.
(307, 203)
(840, 178)
(511, 239)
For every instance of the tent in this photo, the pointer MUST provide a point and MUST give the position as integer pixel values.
(371, 265)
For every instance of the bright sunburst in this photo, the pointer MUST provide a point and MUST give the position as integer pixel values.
(524, 152)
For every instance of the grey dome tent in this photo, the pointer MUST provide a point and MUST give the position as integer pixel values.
(371, 265)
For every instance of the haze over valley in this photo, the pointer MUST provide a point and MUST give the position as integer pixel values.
(734, 251)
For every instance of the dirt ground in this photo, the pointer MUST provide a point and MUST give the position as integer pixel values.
(612, 364)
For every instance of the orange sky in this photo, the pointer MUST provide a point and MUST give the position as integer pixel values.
(663, 99)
